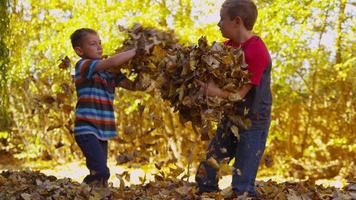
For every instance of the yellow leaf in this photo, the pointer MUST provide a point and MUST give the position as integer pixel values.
(235, 131)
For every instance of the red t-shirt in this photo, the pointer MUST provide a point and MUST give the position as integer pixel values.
(256, 57)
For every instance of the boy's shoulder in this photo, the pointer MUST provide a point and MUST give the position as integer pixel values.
(252, 47)
(255, 46)
(79, 62)
(85, 61)
(251, 42)
(254, 42)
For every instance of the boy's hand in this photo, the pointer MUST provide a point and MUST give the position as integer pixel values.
(137, 86)
(143, 50)
(211, 89)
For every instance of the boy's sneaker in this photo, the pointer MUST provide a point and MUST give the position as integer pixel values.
(244, 196)
(209, 195)
(206, 192)
(97, 183)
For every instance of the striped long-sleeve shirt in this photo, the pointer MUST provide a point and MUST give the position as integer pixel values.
(94, 113)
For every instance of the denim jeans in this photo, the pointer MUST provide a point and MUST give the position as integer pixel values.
(96, 154)
(247, 152)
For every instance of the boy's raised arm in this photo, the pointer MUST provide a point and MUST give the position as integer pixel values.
(116, 60)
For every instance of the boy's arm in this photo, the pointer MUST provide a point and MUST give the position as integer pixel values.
(211, 89)
(86, 67)
(116, 60)
(257, 58)
(127, 84)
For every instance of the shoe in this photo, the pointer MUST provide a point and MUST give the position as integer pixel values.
(207, 191)
(245, 195)
(96, 183)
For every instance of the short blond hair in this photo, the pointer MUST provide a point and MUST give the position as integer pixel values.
(245, 9)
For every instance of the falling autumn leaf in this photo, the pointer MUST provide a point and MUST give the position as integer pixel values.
(65, 63)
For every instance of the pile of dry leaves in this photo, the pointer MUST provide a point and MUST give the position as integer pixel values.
(173, 70)
(28, 185)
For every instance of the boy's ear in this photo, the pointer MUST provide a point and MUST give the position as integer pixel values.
(238, 20)
(79, 51)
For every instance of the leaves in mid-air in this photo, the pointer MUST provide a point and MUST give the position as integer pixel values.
(175, 70)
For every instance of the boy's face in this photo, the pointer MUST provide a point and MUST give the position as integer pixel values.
(229, 28)
(90, 47)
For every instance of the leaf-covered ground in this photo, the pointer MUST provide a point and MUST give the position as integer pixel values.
(32, 185)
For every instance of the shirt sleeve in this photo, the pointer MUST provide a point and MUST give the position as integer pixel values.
(257, 59)
(85, 68)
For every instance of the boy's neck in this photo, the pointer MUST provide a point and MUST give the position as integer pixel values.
(243, 37)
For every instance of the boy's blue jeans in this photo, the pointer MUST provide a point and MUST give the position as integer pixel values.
(247, 153)
(96, 154)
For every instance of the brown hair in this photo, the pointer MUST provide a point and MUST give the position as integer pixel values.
(245, 9)
(79, 34)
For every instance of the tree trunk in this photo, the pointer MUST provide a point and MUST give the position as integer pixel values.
(340, 20)
(4, 60)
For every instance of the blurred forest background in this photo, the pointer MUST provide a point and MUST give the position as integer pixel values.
(312, 43)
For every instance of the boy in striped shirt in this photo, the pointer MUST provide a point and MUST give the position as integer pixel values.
(94, 113)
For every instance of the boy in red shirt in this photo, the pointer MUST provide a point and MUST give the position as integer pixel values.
(237, 18)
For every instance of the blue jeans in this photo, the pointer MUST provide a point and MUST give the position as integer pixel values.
(96, 154)
(247, 153)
